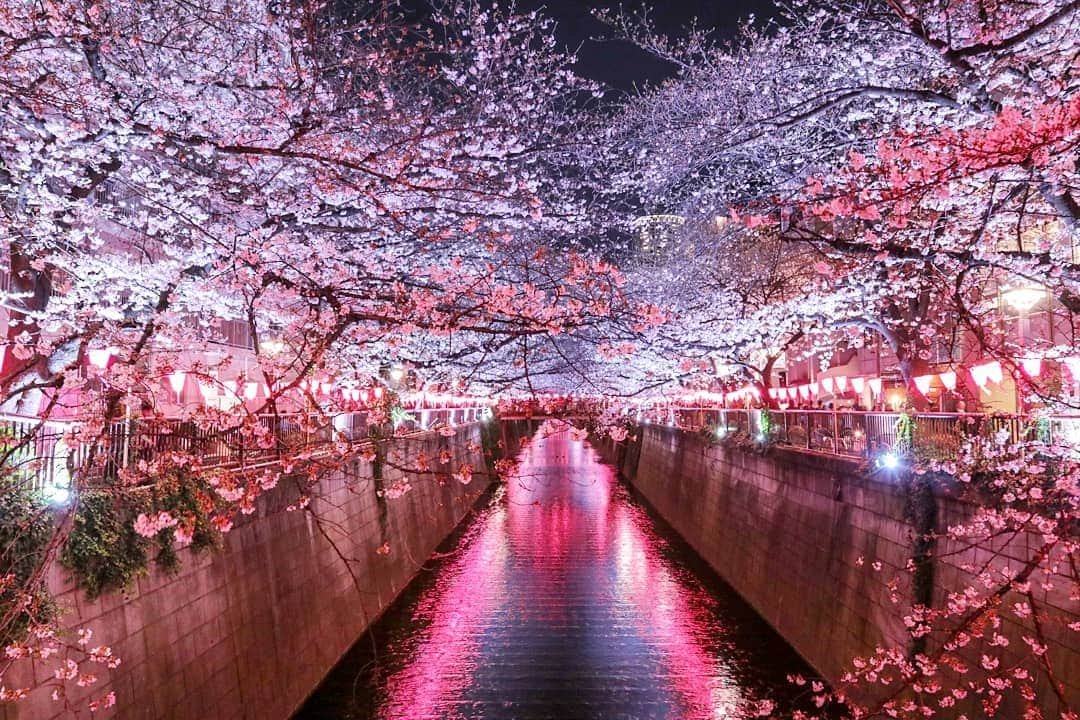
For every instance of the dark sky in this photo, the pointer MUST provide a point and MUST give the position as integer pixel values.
(619, 64)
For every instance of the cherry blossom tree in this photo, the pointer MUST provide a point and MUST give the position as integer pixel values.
(342, 190)
(759, 127)
(928, 154)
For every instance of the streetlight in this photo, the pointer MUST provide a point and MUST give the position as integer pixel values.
(1022, 299)
(272, 346)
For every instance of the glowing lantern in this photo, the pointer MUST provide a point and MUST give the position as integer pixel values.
(100, 358)
(987, 371)
(177, 380)
(875, 385)
(948, 379)
(923, 383)
(827, 385)
(1032, 366)
(251, 389)
(378, 393)
(208, 390)
(1073, 363)
(857, 384)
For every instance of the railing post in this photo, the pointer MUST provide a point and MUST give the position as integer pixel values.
(835, 432)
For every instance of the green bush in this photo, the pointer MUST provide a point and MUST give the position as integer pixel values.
(103, 550)
(26, 528)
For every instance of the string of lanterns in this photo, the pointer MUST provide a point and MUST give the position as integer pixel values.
(982, 375)
(215, 391)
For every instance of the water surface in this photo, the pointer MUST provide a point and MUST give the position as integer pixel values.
(563, 597)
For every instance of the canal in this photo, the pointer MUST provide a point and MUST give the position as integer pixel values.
(562, 597)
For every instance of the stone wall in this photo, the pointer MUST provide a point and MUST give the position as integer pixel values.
(249, 631)
(787, 530)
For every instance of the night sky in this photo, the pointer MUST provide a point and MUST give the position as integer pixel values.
(622, 66)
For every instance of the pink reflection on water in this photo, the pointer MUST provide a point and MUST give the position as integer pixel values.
(671, 614)
(439, 672)
(562, 513)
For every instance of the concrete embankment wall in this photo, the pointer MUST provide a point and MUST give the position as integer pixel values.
(786, 529)
(250, 630)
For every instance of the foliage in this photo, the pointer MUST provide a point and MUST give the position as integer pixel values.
(108, 548)
(905, 432)
(103, 550)
(26, 529)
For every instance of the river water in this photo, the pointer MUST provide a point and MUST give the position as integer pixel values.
(563, 597)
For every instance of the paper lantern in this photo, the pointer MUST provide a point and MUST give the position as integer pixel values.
(1032, 366)
(948, 379)
(251, 390)
(177, 380)
(841, 383)
(99, 358)
(987, 371)
(208, 390)
(858, 384)
(827, 384)
(923, 383)
(875, 385)
(804, 392)
(1073, 363)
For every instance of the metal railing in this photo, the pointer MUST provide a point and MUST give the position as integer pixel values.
(45, 455)
(864, 434)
